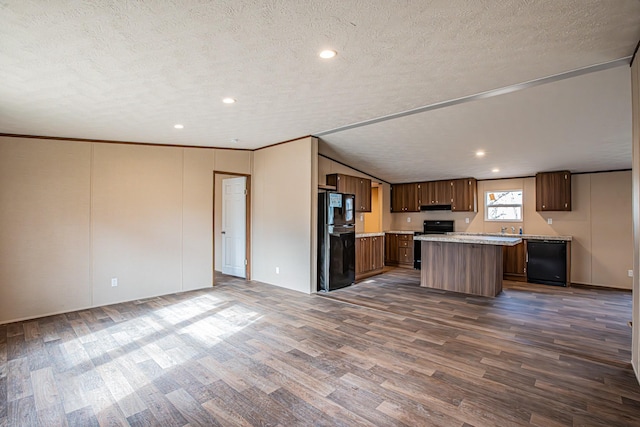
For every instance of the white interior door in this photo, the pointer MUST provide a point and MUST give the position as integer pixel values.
(234, 232)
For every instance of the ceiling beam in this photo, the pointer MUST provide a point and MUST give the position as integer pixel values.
(483, 95)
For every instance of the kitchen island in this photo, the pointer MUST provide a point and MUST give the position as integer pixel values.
(463, 263)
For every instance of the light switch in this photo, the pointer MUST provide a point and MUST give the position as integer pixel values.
(408, 219)
(466, 220)
(549, 221)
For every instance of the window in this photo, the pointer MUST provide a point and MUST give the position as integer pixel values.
(503, 205)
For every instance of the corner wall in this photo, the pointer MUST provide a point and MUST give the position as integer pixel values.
(74, 215)
(283, 210)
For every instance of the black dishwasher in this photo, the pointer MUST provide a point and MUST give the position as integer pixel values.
(547, 262)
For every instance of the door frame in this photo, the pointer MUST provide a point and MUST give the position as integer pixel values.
(247, 246)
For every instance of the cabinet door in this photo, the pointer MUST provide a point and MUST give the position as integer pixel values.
(363, 253)
(514, 260)
(463, 195)
(397, 195)
(363, 196)
(351, 186)
(553, 191)
(391, 248)
(404, 198)
(405, 256)
(377, 252)
(427, 193)
(442, 193)
(411, 198)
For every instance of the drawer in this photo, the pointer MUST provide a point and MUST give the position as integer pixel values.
(404, 244)
(407, 237)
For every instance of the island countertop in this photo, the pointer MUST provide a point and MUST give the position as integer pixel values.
(521, 236)
(470, 238)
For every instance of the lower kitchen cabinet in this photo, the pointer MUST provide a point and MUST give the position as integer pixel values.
(399, 250)
(514, 262)
(369, 256)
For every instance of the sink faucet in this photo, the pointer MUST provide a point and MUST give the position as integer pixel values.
(503, 230)
(513, 230)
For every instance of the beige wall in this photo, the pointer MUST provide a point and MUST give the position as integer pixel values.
(600, 223)
(136, 221)
(73, 215)
(635, 92)
(45, 248)
(327, 166)
(283, 214)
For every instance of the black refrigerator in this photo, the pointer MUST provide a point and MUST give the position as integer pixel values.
(336, 241)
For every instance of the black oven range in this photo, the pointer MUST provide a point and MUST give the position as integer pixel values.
(429, 227)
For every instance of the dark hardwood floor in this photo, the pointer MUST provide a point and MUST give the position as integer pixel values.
(382, 352)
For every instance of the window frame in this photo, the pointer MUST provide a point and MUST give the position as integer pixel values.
(511, 205)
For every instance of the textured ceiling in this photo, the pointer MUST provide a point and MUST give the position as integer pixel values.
(123, 70)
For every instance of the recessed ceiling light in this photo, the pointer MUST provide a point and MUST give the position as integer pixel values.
(480, 153)
(228, 100)
(178, 126)
(494, 170)
(328, 54)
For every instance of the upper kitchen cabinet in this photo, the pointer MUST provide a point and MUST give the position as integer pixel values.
(404, 198)
(360, 187)
(553, 191)
(435, 193)
(464, 195)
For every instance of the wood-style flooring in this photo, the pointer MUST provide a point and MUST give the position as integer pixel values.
(383, 352)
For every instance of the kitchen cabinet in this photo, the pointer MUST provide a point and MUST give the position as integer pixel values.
(404, 198)
(553, 191)
(391, 249)
(464, 195)
(514, 261)
(399, 250)
(369, 256)
(435, 193)
(360, 187)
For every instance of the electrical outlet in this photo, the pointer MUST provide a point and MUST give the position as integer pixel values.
(277, 270)
(114, 282)
(549, 221)
(408, 219)
(630, 273)
(466, 220)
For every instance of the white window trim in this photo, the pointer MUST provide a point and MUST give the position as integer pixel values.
(486, 206)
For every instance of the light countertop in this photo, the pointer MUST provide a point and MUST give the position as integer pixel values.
(470, 238)
(401, 232)
(380, 234)
(521, 236)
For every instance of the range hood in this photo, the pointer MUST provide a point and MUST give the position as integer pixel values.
(435, 208)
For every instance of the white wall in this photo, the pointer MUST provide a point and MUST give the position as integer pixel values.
(74, 215)
(283, 210)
